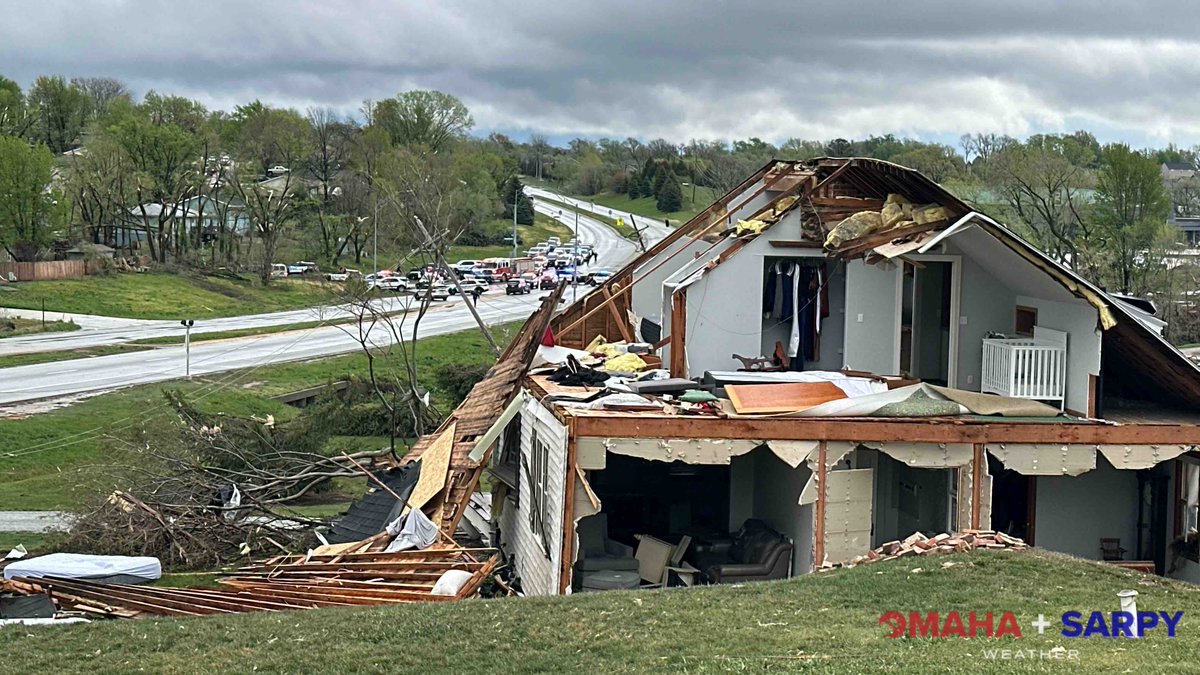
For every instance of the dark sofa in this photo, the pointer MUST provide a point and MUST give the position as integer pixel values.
(758, 553)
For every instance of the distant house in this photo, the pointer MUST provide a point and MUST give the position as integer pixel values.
(206, 212)
(1177, 170)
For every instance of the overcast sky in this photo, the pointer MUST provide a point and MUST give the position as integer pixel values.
(678, 69)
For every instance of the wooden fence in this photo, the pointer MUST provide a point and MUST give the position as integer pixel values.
(48, 270)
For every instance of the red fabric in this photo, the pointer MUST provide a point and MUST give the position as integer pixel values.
(548, 338)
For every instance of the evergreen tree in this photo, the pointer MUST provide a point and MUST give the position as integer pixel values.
(670, 196)
(646, 187)
(634, 186)
(513, 188)
(661, 174)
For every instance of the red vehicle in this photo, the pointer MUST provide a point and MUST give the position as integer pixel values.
(503, 269)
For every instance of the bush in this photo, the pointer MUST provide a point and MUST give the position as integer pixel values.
(457, 380)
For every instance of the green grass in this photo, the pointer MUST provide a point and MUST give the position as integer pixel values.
(622, 228)
(241, 332)
(645, 206)
(41, 455)
(11, 326)
(826, 623)
(157, 295)
(543, 227)
(30, 540)
(11, 360)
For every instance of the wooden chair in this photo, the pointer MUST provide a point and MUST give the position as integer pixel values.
(1110, 549)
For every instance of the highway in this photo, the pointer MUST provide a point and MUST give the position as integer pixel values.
(81, 377)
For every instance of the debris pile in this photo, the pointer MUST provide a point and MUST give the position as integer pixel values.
(284, 583)
(918, 544)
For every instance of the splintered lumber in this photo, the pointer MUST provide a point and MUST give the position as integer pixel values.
(918, 544)
(279, 584)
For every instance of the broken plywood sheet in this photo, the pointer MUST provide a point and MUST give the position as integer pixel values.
(435, 462)
(848, 503)
(1140, 456)
(1045, 460)
(780, 398)
(899, 247)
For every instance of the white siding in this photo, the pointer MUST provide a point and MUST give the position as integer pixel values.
(538, 573)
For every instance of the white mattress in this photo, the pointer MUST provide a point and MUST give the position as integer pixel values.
(80, 566)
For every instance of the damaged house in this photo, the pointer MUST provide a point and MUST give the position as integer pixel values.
(835, 355)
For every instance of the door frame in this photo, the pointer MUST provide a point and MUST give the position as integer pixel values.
(955, 310)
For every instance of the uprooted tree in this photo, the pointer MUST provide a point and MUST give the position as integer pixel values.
(206, 489)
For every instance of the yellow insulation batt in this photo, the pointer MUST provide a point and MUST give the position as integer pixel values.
(857, 225)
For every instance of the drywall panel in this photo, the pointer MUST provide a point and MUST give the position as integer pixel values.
(1074, 512)
(1081, 323)
(871, 315)
(647, 294)
(849, 496)
(987, 306)
(724, 312)
(1045, 460)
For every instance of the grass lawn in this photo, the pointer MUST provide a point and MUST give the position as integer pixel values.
(11, 326)
(645, 206)
(10, 360)
(30, 540)
(543, 227)
(158, 295)
(826, 623)
(624, 229)
(41, 455)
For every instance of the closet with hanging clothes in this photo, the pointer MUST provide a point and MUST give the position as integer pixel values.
(802, 300)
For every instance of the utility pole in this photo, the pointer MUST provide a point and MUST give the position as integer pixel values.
(187, 346)
(575, 261)
(516, 200)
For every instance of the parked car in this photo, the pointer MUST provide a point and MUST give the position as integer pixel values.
(435, 292)
(469, 285)
(279, 271)
(484, 275)
(567, 273)
(597, 277)
(394, 284)
(517, 286)
(304, 267)
(554, 241)
(464, 266)
(295, 269)
(343, 275)
(536, 251)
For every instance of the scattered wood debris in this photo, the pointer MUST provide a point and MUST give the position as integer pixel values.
(281, 583)
(918, 544)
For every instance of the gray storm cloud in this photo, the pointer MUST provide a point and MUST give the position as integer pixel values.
(665, 68)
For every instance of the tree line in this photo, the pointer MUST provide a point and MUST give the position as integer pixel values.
(260, 174)
(84, 161)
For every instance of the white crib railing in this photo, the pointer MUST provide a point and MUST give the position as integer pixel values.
(1034, 368)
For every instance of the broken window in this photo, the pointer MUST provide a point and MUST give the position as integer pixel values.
(537, 477)
(1189, 509)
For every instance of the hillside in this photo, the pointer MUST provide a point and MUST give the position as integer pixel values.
(822, 623)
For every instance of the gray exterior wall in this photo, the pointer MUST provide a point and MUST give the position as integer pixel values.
(1075, 512)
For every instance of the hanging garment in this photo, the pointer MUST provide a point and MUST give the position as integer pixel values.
(779, 293)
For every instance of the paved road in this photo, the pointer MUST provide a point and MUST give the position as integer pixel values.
(82, 376)
(128, 330)
(33, 521)
(652, 228)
